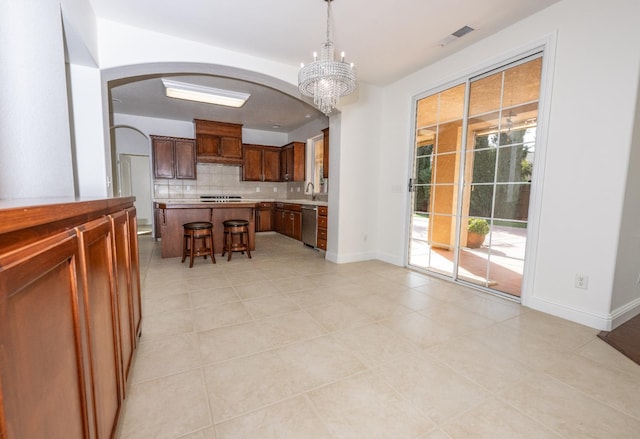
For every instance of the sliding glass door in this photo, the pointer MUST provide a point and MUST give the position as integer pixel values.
(473, 160)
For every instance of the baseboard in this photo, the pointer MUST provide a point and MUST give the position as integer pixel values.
(390, 258)
(349, 257)
(596, 321)
(624, 313)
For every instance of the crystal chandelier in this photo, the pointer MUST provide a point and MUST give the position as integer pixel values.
(325, 79)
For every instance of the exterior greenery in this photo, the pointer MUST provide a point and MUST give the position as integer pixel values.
(478, 225)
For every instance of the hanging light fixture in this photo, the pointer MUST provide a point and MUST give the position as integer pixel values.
(327, 80)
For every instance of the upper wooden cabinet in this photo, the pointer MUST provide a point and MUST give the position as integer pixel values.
(261, 163)
(292, 162)
(173, 157)
(325, 153)
(218, 142)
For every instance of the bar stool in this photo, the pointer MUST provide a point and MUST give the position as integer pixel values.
(199, 230)
(236, 229)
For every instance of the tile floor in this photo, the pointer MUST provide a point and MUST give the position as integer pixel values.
(287, 345)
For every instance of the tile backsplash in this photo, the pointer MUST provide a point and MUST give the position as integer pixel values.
(215, 179)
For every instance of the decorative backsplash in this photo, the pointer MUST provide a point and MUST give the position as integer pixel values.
(215, 179)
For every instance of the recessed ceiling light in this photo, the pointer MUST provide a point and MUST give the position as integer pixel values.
(275, 126)
(208, 95)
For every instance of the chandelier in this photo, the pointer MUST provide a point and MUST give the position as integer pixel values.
(325, 79)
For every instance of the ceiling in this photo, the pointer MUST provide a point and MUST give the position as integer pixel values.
(385, 40)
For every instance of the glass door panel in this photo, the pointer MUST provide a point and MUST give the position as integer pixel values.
(482, 185)
(439, 125)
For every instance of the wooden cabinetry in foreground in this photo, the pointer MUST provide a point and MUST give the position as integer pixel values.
(68, 317)
(218, 142)
(173, 157)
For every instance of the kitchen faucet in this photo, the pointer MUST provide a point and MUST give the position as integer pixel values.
(313, 188)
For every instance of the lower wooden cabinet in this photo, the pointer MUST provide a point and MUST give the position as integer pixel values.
(288, 220)
(322, 227)
(264, 217)
(69, 317)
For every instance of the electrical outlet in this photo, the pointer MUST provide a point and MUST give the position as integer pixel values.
(257, 189)
(582, 281)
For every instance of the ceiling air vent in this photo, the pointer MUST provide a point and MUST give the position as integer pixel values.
(455, 35)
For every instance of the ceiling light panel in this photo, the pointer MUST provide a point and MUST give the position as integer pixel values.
(199, 93)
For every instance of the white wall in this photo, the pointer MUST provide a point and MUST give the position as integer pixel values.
(588, 138)
(35, 145)
(92, 154)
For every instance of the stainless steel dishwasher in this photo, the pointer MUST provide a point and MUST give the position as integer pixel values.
(309, 225)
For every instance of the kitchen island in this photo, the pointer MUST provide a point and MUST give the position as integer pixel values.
(173, 214)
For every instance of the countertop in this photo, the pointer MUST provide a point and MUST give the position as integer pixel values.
(245, 202)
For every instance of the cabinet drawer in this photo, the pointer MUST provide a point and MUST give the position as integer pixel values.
(263, 205)
(322, 233)
(293, 207)
(322, 222)
(322, 210)
(322, 244)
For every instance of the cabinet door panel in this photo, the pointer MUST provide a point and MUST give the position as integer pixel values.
(136, 296)
(231, 148)
(122, 267)
(271, 165)
(97, 276)
(185, 159)
(208, 145)
(163, 158)
(252, 165)
(43, 378)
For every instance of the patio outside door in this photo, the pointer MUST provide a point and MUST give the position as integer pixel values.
(473, 161)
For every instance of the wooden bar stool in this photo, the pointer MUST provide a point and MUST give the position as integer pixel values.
(236, 237)
(198, 231)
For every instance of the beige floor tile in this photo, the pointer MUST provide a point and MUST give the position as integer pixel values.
(375, 344)
(568, 411)
(166, 408)
(495, 419)
(289, 328)
(420, 330)
(363, 406)
(257, 289)
(290, 419)
(615, 388)
(410, 298)
(207, 433)
(216, 316)
(319, 361)
(270, 306)
(206, 283)
(313, 297)
(229, 342)
(217, 340)
(483, 365)
(338, 315)
(492, 307)
(557, 331)
(600, 352)
(245, 384)
(434, 389)
(159, 305)
(453, 316)
(378, 307)
(535, 352)
(166, 356)
(213, 296)
(165, 324)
